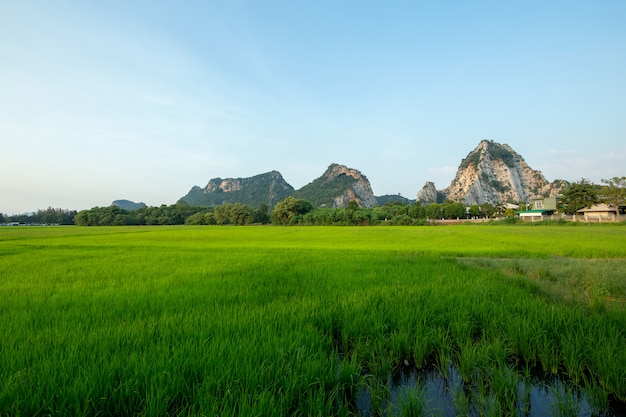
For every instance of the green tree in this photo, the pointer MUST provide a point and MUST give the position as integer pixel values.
(417, 211)
(434, 211)
(195, 219)
(262, 215)
(222, 214)
(474, 210)
(454, 210)
(209, 218)
(614, 191)
(352, 205)
(500, 208)
(241, 214)
(509, 212)
(82, 218)
(578, 195)
(487, 210)
(288, 210)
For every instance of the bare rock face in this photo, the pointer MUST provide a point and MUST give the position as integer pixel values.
(227, 185)
(347, 196)
(428, 193)
(494, 173)
(361, 190)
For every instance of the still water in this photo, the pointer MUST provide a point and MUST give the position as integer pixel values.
(533, 396)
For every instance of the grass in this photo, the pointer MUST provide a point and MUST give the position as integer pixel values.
(298, 320)
(594, 281)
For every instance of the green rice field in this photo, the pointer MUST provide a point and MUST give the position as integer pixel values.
(312, 321)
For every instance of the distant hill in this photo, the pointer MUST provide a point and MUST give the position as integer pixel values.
(337, 187)
(384, 199)
(128, 205)
(492, 173)
(268, 189)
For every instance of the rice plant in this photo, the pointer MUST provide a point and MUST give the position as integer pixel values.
(301, 321)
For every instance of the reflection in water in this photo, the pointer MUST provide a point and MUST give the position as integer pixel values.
(532, 396)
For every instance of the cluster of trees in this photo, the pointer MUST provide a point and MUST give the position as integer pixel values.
(292, 211)
(179, 213)
(116, 216)
(583, 193)
(235, 214)
(46, 216)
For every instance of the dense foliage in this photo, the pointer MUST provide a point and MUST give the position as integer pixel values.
(578, 195)
(290, 211)
(495, 151)
(268, 189)
(498, 151)
(392, 213)
(47, 216)
(388, 198)
(321, 192)
(179, 213)
(614, 191)
(116, 216)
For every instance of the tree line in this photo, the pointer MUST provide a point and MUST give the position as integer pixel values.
(42, 216)
(175, 214)
(290, 211)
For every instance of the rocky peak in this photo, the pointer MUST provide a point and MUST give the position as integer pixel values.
(428, 193)
(361, 190)
(224, 185)
(335, 170)
(494, 173)
(337, 187)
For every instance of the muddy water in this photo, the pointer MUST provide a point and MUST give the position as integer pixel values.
(449, 396)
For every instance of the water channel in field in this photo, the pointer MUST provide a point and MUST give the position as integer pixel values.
(412, 391)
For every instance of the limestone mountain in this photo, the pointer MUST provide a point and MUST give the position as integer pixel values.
(128, 205)
(381, 200)
(429, 194)
(492, 173)
(268, 188)
(335, 188)
(338, 186)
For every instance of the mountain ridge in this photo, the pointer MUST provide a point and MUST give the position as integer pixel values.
(490, 173)
(268, 188)
(336, 187)
(493, 173)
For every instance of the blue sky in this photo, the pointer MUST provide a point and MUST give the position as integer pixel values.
(102, 100)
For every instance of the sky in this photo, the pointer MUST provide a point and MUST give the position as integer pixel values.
(142, 100)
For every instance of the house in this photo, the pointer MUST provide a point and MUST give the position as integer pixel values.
(545, 204)
(600, 212)
(539, 207)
